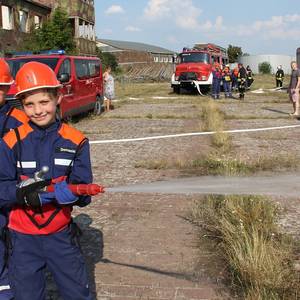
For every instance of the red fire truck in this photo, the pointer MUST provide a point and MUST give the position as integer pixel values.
(194, 67)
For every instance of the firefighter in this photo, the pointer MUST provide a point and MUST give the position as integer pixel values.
(41, 230)
(235, 73)
(9, 118)
(249, 79)
(216, 81)
(242, 77)
(227, 79)
(279, 76)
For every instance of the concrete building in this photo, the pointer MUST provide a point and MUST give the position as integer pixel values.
(16, 19)
(19, 16)
(130, 53)
(275, 60)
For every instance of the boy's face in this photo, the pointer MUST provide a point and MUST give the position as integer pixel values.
(40, 107)
(3, 91)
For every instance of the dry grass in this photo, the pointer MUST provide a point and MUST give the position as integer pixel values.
(213, 120)
(258, 256)
(216, 164)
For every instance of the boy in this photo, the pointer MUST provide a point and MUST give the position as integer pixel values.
(227, 82)
(41, 229)
(216, 81)
(9, 118)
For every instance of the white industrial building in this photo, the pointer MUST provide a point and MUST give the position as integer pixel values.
(275, 60)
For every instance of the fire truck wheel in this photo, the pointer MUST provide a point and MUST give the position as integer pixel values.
(176, 89)
(98, 105)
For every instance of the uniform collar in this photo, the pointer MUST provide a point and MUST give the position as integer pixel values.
(5, 108)
(53, 127)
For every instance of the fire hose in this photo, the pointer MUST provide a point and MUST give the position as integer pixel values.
(81, 189)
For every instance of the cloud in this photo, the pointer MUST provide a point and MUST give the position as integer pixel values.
(157, 9)
(132, 29)
(114, 9)
(277, 27)
(183, 12)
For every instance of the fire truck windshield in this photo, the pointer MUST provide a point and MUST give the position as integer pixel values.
(16, 64)
(194, 57)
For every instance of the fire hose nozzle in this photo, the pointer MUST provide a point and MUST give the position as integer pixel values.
(38, 176)
(91, 189)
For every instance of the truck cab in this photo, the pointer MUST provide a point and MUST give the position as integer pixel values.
(194, 67)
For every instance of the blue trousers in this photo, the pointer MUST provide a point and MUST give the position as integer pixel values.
(5, 290)
(32, 253)
(227, 88)
(216, 87)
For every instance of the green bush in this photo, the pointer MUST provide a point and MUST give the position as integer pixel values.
(265, 68)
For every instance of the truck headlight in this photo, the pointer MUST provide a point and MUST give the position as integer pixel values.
(204, 78)
(176, 78)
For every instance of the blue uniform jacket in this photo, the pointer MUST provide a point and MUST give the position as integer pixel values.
(54, 147)
(12, 120)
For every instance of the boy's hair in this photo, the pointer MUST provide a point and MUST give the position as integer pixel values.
(53, 92)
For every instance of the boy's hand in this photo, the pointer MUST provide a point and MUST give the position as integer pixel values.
(29, 194)
(63, 194)
(37, 200)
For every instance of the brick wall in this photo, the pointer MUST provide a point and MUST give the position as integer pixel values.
(133, 57)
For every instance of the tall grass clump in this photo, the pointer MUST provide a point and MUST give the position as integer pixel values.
(259, 258)
(213, 120)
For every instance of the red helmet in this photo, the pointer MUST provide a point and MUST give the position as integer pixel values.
(35, 75)
(5, 76)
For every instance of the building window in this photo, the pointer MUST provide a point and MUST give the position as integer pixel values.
(37, 21)
(91, 32)
(7, 17)
(23, 19)
(81, 28)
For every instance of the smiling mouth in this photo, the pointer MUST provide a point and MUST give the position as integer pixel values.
(40, 117)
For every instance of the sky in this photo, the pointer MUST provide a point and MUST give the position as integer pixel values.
(257, 26)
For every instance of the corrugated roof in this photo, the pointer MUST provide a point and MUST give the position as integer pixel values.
(125, 45)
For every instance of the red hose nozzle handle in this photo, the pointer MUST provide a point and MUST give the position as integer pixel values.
(90, 189)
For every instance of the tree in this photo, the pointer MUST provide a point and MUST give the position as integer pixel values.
(56, 33)
(265, 68)
(233, 53)
(108, 59)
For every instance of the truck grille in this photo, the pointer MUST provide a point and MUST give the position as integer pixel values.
(188, 76)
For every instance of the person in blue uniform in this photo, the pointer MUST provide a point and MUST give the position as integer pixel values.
(216, 81)
(10, 118)
(40, 225)
(227, 80)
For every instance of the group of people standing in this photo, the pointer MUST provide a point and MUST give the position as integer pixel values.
(238, 79)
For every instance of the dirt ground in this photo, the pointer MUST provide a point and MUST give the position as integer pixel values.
(139, 245)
